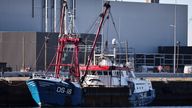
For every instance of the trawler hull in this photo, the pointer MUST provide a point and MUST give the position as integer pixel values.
(115, 97)
(46, 92)
(142, 99)
(55, 93)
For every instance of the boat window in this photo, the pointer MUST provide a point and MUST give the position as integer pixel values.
(110, 73)
(105, 73)
(118, 73)
(121, 72)
(82, 72)
(127, 73)
(99, 72)
(114, 73)
(93, 72)
(89, 73)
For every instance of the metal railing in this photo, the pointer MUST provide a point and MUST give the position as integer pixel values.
(155, 60)
(140, 60)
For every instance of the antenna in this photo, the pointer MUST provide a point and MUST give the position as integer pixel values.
(114, 42)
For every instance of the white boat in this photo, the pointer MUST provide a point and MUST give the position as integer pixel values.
(107, 75)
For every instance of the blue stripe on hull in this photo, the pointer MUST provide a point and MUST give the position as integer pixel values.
(34, 91)
(48, 92)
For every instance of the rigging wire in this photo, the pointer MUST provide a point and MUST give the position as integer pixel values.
(51, 62)
(113, 22)
(103, 35)
(117, 34)
(107, 35)
(93, 25)
(40, 52)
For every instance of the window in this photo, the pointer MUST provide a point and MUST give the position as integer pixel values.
(93, 72)
(105, 73)
(99, 72)
(110, 73)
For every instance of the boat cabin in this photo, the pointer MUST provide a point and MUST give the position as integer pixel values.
(105, 75)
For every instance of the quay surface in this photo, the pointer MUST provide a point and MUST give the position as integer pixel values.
(14, 92)
(171, 90)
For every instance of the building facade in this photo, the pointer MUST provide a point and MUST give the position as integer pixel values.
(144, 25)
(21, 50)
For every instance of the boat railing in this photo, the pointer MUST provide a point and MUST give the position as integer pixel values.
(43, 75)
(38, 75)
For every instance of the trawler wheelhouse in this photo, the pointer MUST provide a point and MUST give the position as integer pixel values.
(108, 75)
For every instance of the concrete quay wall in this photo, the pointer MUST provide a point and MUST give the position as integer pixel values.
(169, 92)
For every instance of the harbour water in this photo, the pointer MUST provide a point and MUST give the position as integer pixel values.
(100, 107)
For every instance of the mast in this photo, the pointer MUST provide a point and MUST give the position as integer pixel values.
(72, 17)
(55, 15)
(46, 15)
(126, 46)
(64, 39)
(46, 42)
(62, 18)
(102, 15)
(60, 43)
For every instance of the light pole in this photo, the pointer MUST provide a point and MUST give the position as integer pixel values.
(178, 45)
(175, 36)
(190, 31)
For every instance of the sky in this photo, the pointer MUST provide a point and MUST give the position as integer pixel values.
(186, 2)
